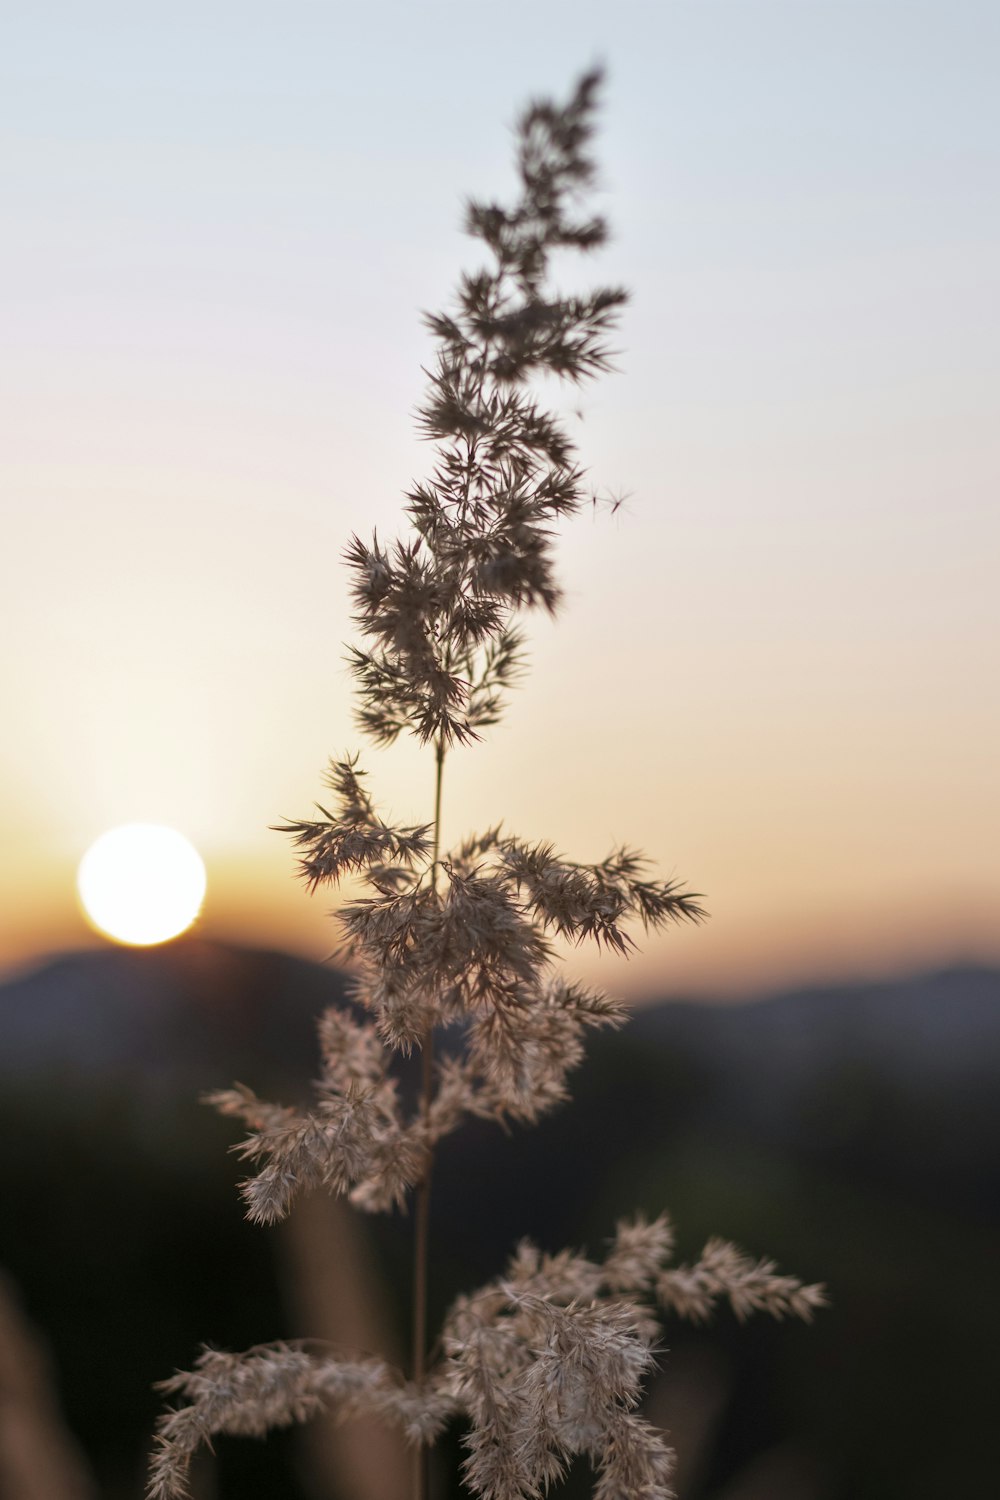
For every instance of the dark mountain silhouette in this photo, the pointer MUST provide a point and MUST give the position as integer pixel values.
(938, 1025)
(185, 1015)
(190, 1008)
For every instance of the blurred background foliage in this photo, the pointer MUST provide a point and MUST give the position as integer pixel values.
(853, 1134)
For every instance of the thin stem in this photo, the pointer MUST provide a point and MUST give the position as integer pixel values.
(421, 1460)
(439, 759)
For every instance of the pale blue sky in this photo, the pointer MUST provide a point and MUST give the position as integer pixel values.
(776, 671)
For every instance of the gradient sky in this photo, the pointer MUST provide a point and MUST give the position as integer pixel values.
(777, 667)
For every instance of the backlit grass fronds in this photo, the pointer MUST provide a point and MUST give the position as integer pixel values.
(353, 1142)
(455, 953)
(543, 1364)
(725, 1273)
(272, 1386)
(354, 837)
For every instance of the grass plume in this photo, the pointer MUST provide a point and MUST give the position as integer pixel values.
(548, 1361)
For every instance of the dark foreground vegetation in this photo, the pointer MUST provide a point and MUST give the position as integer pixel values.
(854, 1134)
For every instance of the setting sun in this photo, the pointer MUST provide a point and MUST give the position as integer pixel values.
(141, 884)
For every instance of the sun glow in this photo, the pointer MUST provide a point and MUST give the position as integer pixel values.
(141, 884)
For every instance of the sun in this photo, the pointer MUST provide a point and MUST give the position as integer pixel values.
(141, 884)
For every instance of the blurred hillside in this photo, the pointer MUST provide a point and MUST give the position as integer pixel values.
(853, 1134)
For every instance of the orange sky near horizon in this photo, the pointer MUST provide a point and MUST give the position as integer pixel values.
(776, 668)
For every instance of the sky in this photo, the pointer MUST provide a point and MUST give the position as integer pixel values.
(776, 668)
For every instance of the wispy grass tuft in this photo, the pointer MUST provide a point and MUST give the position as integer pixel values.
(548, 1361)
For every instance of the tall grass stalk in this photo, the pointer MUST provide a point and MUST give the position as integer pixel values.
(547, 1362)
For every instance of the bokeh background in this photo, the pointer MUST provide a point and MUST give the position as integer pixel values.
(775, 671)
(776, 667)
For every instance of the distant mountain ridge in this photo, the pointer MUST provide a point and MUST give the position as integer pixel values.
(191, 1009)
(939, 1022)
(188, 1014)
